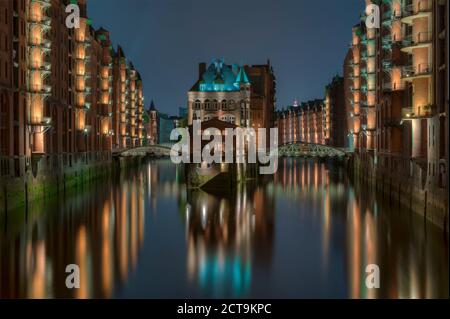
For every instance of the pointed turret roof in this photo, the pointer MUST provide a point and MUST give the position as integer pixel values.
(242, 77)
(152, 106)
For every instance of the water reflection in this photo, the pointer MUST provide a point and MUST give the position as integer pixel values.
(100, 230)
(224, 235)
(305, 232)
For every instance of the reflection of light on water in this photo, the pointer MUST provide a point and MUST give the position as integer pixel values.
(220, 242)
(133, 227)
(370, 242)
(226, 239)
(355, 250)
(106, 252)
(204, 217)
(232, 275)
(38, 279)
(326, 228)
(149, 179)
(413, 280)
(82, 262)
(221, 211)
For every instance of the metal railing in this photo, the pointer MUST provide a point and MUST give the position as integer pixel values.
(421, 7)
(417, 39)
(420, 112)
(390, 86)
(420, 69)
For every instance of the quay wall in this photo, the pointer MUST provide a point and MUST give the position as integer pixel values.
(55, 175)
(409, 185)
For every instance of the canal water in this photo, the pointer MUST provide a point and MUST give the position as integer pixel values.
(306, 232)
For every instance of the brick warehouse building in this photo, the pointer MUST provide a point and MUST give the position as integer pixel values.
(399, 102)
(302, 123)
(62, 92)
(319, 121)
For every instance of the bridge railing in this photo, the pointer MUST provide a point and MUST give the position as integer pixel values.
(310, 150)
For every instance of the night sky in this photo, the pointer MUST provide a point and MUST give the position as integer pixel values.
(306, 41)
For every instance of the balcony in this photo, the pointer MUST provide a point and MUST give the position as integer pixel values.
(422, 112)
(44, 3)
(387, 65)
(387, 19)
(42, 89)
(423, 70)
(43, 66)
(39, 125)
(42, 20)
(392, 122)
(421, 9)
(392, 87)
(420, 40)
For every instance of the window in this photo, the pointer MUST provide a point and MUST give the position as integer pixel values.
(207, 105)
(224, 105)
(228, 118)
(215, 104)
(197, 105)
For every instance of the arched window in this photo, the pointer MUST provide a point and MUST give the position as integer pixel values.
(224, 105)
(215, 105)
(197, 105)
(208, 105)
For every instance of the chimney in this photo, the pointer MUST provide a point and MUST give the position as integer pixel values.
(201, 69)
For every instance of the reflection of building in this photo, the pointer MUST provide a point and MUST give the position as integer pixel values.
(225, 235)
(242, 95)
(399, 85)
(105, 236)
